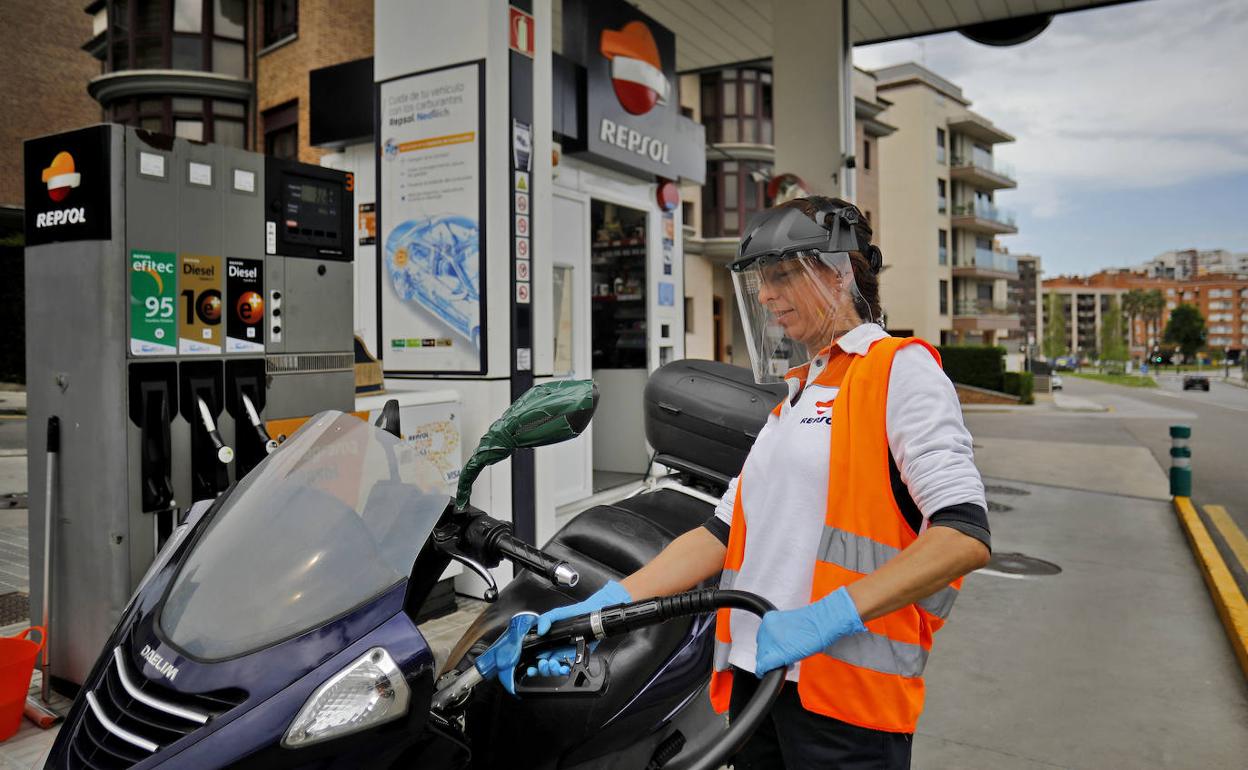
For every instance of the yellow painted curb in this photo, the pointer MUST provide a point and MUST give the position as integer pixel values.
(1230, 602)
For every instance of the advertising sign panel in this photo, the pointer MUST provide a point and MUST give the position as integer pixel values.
(202, 298)
(431, 221)
(153, 288)
(244, 292)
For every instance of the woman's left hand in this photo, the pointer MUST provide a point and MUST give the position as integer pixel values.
(787, 636)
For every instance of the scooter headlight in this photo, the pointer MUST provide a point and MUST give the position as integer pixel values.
(368, 692)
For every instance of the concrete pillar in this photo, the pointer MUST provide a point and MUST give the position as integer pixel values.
(811, 70)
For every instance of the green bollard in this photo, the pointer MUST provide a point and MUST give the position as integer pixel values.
(1180, 461)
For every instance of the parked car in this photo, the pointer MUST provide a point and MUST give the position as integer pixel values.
(1055, 382)
(1194, 381)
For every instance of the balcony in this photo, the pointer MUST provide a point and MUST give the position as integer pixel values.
(971, 315)
(986, 263)
(979, 128)
(982, 171)
(983, 218)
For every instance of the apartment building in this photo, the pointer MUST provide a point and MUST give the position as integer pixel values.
(947, 278)
(1026, 294)
(1221, 299)
(1192, 263)
(233, 72)
(735, 106)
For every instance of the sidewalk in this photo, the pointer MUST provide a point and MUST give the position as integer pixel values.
(1119, 661)
(12, 400)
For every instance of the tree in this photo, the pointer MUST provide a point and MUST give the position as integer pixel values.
(1132, 308)
(1186, 329)
(1113, 343)
(1154, 310)
(1056, 341)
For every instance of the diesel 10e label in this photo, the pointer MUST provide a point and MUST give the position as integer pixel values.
(153, 287)
(201, 282)
(244, 291)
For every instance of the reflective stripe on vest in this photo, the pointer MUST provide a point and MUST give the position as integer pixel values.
(879, 653)
(864, 556)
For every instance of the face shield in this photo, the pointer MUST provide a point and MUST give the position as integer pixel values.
(795, 289)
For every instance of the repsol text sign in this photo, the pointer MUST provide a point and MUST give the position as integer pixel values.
(68, 187)
(631, 111)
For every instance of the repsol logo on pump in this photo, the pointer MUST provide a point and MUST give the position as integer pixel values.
(61, 217)
(69, 186)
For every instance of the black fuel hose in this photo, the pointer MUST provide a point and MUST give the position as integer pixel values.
(622, 618)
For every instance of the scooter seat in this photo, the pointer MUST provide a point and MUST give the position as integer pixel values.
(604, 543)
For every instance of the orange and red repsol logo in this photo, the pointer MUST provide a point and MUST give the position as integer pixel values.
(636, 69)
(823, 413)
(61, 178)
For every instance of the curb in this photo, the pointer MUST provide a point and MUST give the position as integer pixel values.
(1231, 605)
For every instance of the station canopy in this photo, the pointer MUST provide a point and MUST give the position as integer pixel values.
(717, 33)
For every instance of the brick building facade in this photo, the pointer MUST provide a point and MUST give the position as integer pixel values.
(44, 90)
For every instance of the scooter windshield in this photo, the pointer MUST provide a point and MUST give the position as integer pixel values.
(330, 520)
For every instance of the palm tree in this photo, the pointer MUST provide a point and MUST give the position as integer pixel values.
(1132, 307)
(1154, 310)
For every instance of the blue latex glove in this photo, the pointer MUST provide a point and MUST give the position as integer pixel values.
(787, 636)
(501, 658)
(610, 594)
(558, 662)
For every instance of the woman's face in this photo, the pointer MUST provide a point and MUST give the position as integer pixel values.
(807, 298)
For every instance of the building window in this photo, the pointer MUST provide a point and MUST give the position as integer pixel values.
(940, 145)
(736, 106)
(197, 35)
(944, 298)
(281, 20)
(866, 154)
(942, 247)
(281, 131)
(190, 117)
(733, 191)
(942, 200)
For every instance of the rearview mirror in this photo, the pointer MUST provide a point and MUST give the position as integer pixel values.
(544, 414)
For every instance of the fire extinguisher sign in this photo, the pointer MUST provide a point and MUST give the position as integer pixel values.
(521, 32)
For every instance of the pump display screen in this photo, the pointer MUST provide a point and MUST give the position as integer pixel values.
(312, 213)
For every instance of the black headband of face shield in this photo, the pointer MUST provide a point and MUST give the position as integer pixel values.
(783, 233)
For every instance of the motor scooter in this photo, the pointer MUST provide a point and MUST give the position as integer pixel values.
(275, 628)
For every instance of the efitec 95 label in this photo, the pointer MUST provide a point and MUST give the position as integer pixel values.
(153, 292)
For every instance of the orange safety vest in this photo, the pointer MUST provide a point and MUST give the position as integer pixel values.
(872, 679)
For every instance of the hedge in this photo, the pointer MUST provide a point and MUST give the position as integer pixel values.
(977, 365)
(1020, 384)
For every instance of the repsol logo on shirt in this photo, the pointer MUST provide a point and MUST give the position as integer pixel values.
(75, 216)
(823, 414)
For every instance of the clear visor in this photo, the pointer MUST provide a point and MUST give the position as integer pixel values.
(794, 305)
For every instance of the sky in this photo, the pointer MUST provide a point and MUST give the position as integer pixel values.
(1131, 126)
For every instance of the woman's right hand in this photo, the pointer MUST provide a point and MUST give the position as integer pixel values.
(557, 662)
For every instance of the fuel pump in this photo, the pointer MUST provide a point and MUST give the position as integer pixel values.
(180, 296)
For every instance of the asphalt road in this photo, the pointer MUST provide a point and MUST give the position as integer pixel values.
(1142, 417)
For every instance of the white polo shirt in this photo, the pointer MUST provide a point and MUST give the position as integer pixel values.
(785, 477)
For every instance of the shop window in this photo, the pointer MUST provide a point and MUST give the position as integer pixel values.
(618, 277)
(281, 20)
(563, 287)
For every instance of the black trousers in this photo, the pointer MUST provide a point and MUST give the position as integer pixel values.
(793, 738)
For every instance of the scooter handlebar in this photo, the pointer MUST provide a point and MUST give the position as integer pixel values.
(535, 560)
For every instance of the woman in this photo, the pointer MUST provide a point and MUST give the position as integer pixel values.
(857, 511)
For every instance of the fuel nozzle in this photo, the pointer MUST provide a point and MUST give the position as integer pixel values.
(253, 416)
(224, 454)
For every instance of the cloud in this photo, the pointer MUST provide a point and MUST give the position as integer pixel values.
(1129, 97)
